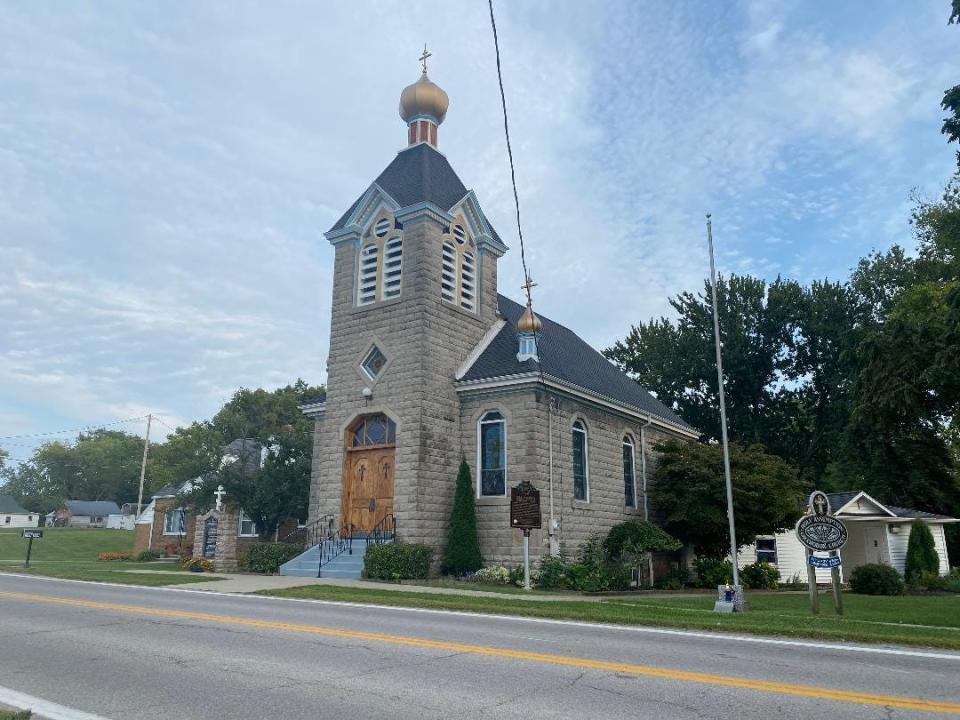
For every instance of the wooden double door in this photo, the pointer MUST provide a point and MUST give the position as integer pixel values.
(367, 487)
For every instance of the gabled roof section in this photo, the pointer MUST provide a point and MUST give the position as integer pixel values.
(417, 174)
(10, 506)
(92, 507)
(840, 501)
(565, 356)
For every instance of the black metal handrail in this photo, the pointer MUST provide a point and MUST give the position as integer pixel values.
(383, 531)
(312, 533)
(334, 545)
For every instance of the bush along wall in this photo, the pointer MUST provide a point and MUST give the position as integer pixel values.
(922, 555)
(266, 558)
(397, 561)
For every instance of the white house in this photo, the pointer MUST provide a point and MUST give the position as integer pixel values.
(86, 513)
(12, 515)
(878, 533)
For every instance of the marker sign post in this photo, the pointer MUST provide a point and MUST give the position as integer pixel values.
(819, 531)
(525, 515)
(30, 535)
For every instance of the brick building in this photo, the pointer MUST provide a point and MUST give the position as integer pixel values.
(429, 363)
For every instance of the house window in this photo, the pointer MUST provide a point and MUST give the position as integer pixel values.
(629, 474)
(247, 527)
(173, 522)
(767, 550)
(493, 455)
(373, 363)
(7, 521)
(581, 480)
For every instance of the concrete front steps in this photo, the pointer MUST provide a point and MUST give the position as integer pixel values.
(345, 565)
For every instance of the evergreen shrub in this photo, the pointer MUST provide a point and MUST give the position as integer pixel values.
(711, 572)
(876, 579)
(266, 558)
(148, 556)
(760, 576)
(921, 553)
(397, 561)
(463, 543)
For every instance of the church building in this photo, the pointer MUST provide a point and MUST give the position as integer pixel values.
(429, 364)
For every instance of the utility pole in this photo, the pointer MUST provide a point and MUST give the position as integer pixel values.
(723, 408)
(143, 465)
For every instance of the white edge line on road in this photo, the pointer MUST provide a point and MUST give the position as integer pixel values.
(641, 629)
(44, 708)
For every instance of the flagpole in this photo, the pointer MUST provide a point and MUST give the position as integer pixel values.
(723, 407)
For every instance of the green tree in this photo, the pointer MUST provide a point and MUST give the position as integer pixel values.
(921, 552)
(463, 544)
(272, 420)
(689, 495)
(951, 98)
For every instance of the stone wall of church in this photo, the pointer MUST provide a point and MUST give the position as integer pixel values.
(425, 340)
(528, 457)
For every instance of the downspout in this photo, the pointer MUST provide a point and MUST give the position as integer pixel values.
(643, 475)
(554, 545)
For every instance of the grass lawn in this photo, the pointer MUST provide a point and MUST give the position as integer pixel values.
(932, 621)
(72, 553)
(15, 715)
(65, 544)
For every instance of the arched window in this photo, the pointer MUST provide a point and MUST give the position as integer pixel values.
(629, 473)
(373, 430)
(448, 273)
(581, 472)
(458, 269)
(367, 285)
(468, 281)
(380, 267)
(492, 454)
(392, 267)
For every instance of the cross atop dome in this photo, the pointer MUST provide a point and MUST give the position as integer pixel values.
(423, 106)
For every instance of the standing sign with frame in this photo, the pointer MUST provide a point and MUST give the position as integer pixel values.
(820, 531)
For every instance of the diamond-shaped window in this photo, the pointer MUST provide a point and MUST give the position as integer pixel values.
(373, 363)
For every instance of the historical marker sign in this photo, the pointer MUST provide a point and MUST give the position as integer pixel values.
(32, 534)
(525, 507)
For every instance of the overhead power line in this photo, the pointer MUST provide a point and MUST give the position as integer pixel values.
(74, 430)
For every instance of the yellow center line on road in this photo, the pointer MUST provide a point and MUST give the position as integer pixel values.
(779, 688)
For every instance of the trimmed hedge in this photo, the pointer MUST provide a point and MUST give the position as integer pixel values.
(397, 561)
(876, 580)
(922, 557)
(266, 558)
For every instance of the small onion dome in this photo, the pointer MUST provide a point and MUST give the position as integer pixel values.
(529, 322)
(424, 97)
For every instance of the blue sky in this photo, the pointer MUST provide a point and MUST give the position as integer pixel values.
(167, 170)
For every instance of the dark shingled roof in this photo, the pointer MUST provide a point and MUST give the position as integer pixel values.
(418, 174)
(567, 357)
(839, 499)
(10, 506)
(92, 507)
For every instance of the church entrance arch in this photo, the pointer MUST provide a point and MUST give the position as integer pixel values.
(368, 472)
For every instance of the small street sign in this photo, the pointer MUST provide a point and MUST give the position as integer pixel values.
(824, 562)
(30, 535)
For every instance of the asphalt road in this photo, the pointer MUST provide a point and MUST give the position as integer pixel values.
(127, 653)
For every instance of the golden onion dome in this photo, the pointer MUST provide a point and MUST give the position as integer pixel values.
(424, 97)
(529, 322)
